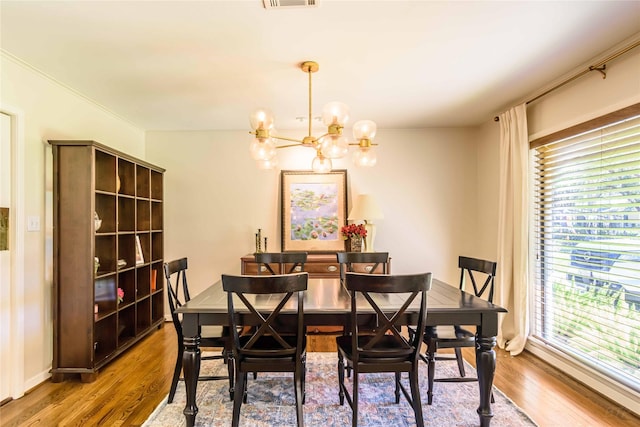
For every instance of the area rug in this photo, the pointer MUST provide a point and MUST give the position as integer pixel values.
(271, 400)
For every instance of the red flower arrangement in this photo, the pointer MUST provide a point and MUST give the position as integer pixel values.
(351, 230)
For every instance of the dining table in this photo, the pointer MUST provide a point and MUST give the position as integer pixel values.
(327, 303)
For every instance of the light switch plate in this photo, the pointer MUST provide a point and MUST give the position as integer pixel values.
(33, 223)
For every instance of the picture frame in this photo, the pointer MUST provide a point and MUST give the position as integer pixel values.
(139, 255)
(313, 209)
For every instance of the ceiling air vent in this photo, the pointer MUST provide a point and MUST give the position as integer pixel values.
(279, 4)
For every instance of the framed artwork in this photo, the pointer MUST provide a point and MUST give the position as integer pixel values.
(4, 229)
(314, 207)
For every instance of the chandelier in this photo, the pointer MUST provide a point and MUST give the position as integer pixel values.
(331, 145)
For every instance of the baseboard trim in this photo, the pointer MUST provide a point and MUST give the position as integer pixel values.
(624, 396)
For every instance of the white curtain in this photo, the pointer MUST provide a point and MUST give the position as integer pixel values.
(512, 275)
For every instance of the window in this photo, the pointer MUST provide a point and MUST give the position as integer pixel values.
(587, 237)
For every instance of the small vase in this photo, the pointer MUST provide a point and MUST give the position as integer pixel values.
(353, 244)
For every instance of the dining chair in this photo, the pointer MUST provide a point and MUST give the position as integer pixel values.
(273, 345)
(288, 262)
(387, 350)
(368, 262)
(346, 261)
(481, 274)
(212, 336)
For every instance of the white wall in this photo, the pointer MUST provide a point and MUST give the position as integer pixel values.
(50, 111)
(216, 198)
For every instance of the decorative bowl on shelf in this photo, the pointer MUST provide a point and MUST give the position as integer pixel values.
(97, 221)
(122, 263)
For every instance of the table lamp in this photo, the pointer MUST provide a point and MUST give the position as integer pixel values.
(366, 209)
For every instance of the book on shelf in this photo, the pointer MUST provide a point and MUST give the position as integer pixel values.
(154, 276)
(139, 256)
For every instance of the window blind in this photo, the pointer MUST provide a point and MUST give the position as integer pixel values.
(587, 239)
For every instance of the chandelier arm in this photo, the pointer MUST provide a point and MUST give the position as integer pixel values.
(370, 145)
(284, 138)
(297, 144)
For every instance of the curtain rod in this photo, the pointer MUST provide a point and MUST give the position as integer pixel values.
(599, 66)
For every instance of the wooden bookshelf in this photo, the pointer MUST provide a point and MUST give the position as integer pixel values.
(94, 258)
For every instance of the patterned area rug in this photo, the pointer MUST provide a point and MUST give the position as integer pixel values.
(271, 401)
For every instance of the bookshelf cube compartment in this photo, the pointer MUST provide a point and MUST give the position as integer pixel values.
(143, 215)
(156, 185)
(143, 314)
(157, 246)
(105, 298)
(126, 325)
(142, 181)
(157, 308)
(105, 251)
(104, 339)
(143, 282)
(156, 216)
(126, 214)
(105, 172)
(127, 175)
(105, 208)
(127, 282)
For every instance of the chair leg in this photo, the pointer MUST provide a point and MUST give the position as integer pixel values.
(397, 387)
(341, 379)
(415, 396)
(238, 397)
(460, 361)
(244, 392)
(228, 357)
(354, 400)
(299, 386)
(431, 364)
(176, 374)
(304, 379)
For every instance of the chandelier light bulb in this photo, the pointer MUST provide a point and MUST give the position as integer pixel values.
(267, 164)
(364, 129)
(334, 146)
(365, 156)
(262, 149)
(261, 119)
(321, 164)
(335, 113)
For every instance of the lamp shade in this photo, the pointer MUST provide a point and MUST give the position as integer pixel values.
(365, 208)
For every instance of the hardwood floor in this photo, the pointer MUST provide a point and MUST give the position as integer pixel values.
(128, 389)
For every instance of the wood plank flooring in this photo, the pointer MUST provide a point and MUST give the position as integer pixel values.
(127, 390)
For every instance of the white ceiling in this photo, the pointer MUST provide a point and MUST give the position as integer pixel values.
(196, 65)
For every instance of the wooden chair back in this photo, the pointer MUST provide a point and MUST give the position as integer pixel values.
(477, 270)
(179, 269)
(387, 343)
(374, 259)
(271, 335)
(282, 259)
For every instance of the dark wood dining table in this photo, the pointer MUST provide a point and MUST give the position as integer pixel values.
(327, 303)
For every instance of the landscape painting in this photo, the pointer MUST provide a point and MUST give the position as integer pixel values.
(313, 210)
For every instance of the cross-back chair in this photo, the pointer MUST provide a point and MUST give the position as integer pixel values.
(477, 276)
(387, 350)
(288, 262)
(272, 345)
(175, 273)
(346, 260)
